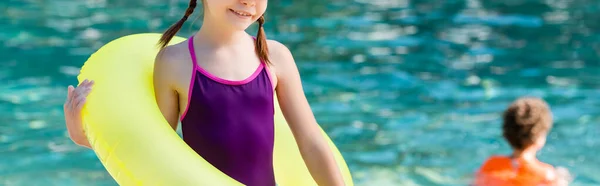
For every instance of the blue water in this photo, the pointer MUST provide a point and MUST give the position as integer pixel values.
(410, 90)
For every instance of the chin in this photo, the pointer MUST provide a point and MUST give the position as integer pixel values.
(239, 26)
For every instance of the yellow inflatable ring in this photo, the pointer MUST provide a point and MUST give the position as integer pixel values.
(135, 143)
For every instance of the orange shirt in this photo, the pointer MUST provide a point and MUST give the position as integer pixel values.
(505, 171)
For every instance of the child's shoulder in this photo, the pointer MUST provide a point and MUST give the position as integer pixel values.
(172, 60)
(173, 53)
(276, 45)
(496, 162)
(279, 54)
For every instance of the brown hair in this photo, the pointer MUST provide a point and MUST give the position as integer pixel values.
(261, 49)
(525, 121)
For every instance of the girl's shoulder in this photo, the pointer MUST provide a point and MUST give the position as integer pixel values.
(282, 64)
(280, 55)
(173, 54)
(172, 61)
(278, 51)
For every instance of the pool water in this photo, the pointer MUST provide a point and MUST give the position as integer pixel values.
(410, 91)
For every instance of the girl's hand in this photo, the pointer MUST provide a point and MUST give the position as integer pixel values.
(72, 108)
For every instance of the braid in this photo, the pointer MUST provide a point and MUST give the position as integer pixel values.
(262, 49)
(170, 33)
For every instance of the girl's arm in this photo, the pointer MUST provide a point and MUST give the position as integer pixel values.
(314, 148)
(165, 95)
(72, 108)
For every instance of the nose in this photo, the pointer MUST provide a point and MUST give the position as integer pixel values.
(248, 2)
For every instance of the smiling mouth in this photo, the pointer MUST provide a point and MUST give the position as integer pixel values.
(239, 13)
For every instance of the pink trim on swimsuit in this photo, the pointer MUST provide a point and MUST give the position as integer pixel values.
(197, 67)
(193, 78)
(231, 82)
(269, 76)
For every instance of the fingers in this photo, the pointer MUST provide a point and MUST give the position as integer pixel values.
(70, 90)
(82, 94)
(79, 103)
(75, 95)
(85, 83)
(85, 89)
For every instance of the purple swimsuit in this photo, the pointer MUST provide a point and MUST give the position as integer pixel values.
(231, 123)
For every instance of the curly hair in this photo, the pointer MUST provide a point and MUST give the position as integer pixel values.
(526, 120)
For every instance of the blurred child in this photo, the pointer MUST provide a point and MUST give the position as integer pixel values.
(527, 122)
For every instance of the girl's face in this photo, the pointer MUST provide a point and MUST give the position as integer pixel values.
(240, 14)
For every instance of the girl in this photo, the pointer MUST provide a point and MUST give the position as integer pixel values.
(220, 84)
